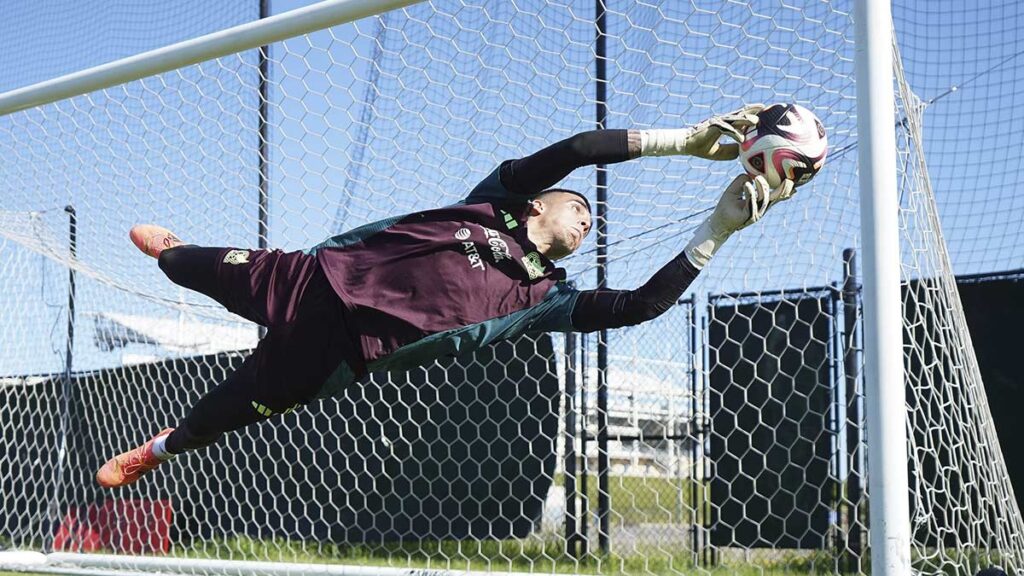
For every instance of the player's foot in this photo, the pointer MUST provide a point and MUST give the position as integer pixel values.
(125, 469)
(153, 239)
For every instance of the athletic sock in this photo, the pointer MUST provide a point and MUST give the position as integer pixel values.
(160, 448)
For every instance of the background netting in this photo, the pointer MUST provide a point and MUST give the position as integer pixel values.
(734, 421)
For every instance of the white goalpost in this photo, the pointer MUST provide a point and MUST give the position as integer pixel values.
(883, 339)
(790, 416)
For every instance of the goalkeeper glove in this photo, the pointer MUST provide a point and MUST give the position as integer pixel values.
(703, 139)
(744, 202)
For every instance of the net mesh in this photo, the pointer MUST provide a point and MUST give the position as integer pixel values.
(734, 421)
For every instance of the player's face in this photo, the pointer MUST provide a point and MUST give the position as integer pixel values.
(564, 220)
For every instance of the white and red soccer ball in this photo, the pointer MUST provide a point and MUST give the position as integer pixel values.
(788, 142)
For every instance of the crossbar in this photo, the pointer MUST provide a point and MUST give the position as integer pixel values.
(239, 38)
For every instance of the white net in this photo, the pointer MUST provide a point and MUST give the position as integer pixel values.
(733, 438)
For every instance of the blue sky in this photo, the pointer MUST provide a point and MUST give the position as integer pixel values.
(443, 116)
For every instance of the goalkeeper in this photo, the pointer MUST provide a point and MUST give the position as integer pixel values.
(408, 290)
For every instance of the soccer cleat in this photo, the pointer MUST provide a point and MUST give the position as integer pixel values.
(125, 469)
(153, 239)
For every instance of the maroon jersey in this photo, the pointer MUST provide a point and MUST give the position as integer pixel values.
(451, 279)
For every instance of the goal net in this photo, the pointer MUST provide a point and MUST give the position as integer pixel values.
(727, 436)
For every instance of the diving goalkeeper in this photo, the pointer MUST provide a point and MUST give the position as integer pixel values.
(408, 290)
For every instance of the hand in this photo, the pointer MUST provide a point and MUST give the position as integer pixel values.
(745, 201)
(703, 140)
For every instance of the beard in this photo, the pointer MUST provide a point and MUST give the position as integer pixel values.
(563, 246)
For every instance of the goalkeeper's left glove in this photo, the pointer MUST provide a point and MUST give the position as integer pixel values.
(744, 202)
(703, 139)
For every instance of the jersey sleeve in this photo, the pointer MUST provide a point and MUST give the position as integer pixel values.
(604, 309)
(522, 178)
(490, 189)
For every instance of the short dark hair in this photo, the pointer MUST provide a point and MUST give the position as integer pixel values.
(567, 191)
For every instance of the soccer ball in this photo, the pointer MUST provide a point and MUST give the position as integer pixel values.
(788, 142)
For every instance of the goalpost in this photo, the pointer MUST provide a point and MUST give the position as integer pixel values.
(883, 338)
(728, 435)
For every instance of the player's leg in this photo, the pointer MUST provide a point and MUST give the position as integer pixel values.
(223, 408)
(264, 286)
(284, 373)
(288, 368)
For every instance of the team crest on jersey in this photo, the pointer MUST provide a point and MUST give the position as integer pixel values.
(237, 257)
(533, 265)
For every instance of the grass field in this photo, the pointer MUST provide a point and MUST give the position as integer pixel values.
(658, 504)
(529, 556)
(644, 500)
(717, 572)
(519, 556)
(639, 570)
(648, 502)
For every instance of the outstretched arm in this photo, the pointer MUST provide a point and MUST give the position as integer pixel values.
(530, 175)
(543, 169)
(744, 202)
(602, 309)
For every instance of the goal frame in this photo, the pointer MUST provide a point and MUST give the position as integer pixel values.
(884, 392)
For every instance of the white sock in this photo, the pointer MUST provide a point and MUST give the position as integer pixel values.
(159, 448)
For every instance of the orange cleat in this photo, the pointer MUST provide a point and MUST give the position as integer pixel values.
(125, 469)
(153, 239)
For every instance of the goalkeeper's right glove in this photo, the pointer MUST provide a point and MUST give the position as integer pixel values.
(703, 139)
(744, 202)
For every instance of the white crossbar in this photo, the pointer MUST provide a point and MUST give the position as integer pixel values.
(229, 41)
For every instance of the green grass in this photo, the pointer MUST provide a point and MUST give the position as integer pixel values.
(504, 556)
(749, 571)
(532, 555)
(635, 501)
(645, 500)
(523, 556)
